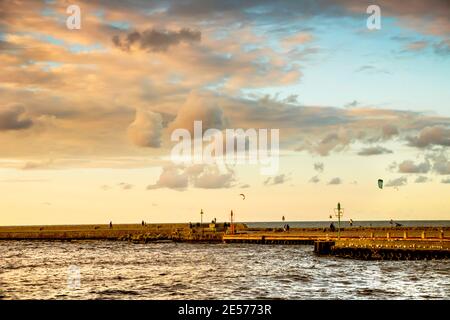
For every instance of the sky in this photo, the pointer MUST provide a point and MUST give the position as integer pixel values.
(87, 114)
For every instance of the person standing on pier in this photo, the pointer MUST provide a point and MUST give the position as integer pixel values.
(332, 227)
(110, 224)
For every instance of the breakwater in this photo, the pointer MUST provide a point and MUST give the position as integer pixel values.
(394, 243)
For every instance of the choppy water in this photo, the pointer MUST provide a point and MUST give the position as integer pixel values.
(121, 270)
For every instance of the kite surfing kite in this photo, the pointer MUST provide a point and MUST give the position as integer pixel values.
(243, 196)
(380, 183)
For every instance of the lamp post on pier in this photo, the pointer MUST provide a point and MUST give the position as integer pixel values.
(339, 212)
(201, 220)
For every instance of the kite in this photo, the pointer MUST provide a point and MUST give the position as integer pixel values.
(380, 183)
(243, 196)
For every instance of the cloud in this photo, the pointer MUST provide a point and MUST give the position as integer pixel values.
(318, 166)
(371, 151)
(125, 186)
(442, 48)
(244, 186)
(211, 178)
(146, 129)
(199, 107)
(23, 180)
(389, 131)
(398, 182)
(435, 21)
(80, 89)
(441, 164)
(335, 181)
(429, 136)
(199, 176)
(299, 38)
(371, 70)
(333, 141)
(314, 179)
(156, 40)
(422, 179)
(38, 165)
(446, 180)
(409, 166)
(280, 179)
(352, 104)
(14, 118)
(416, 46)
(172, 177)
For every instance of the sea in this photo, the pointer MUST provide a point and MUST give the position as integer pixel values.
(167, 270)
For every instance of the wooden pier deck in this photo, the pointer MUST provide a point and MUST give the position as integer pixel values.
(305, 236)
(404, 245)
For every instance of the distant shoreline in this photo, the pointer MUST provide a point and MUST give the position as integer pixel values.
(195, 232)
(269, 224)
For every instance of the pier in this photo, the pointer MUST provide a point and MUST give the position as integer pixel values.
(401, 249)
(367, 244)
(371, 243)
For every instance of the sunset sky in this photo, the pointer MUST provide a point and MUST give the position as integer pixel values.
(86, 115)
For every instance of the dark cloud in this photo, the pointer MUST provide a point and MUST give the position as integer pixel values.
(305, 8)
(125, 186)
(156, 40)
(371, 70)
(371, 151)
(333, 141)
(446, 180)
(398, 182)
(441, 164)
(409, 166)
(352, 104)
(416, 46)
(442, 48)
(429, 136)
(422, 179)
(23, 180)
(14, 118)
(319, 166)
(335, 181)
(38, 165)
(280, 179)
(314, 179)
(389, 131)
